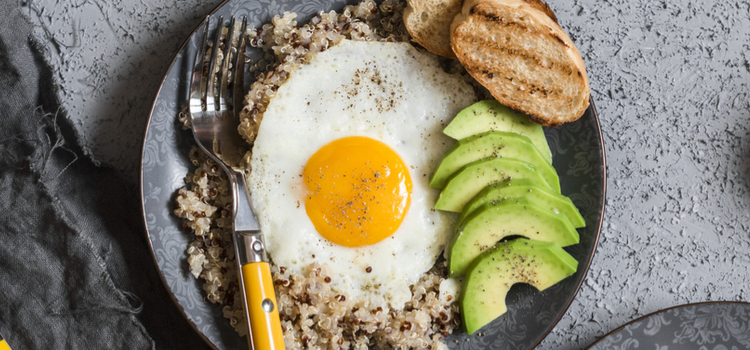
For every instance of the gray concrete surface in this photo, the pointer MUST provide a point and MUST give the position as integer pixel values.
(670, 79)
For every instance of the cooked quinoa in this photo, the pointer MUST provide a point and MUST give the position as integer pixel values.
(313, 316)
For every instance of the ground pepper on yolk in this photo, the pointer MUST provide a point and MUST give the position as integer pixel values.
(359, 191)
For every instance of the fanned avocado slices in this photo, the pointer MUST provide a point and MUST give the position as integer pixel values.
(490, 115)
(475, 176)
(491, 144)
(514, 220)
(540, 264)
(490, 224)
(532, 191)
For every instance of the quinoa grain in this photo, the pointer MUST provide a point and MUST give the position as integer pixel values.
(312, 314)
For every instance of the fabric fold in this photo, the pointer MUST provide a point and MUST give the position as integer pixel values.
(75, 265)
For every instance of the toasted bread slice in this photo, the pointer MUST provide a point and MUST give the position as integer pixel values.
(516, 49)
(429, 23)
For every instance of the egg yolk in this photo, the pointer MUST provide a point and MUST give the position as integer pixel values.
(358, 191)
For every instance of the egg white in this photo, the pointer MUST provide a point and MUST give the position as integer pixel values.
(389, 92)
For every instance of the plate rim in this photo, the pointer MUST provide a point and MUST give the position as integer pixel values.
(602, 207)
(645, 317)
(152, 252)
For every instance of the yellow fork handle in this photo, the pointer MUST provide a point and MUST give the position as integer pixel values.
(262, 307)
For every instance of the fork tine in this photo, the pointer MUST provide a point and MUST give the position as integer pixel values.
(239, 70)
(196, 100)
(225, 76)
(211, 102)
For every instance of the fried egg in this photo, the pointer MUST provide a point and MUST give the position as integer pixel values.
(341, 166)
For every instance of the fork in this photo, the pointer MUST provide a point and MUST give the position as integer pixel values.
(215, 118)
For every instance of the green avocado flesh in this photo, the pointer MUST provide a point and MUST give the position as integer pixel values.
(529, 189)
(491, 144)
(475, 176)
(491, 115)
(489, 224)
(489, 278)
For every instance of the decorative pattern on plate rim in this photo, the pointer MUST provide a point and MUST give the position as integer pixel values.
(710, 325)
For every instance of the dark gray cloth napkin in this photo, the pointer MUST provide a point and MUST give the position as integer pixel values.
(75, 267)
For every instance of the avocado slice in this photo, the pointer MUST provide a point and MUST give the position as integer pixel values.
(489, 278)
(529, 189)
(490, 223)
(491, 144)
(475, 176)
(491, 115)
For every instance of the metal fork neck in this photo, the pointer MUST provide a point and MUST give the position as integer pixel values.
(250, 247)
(244, 217)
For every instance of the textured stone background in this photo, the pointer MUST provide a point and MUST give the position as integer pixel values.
(670, 81)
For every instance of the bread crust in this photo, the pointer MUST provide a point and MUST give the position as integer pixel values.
(542, 6)
(517, 50)
(428, 22)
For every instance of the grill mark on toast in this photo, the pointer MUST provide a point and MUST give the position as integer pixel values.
(483, 43)
(536, 116)
(537, 4)
(491, 46)
(559, 39)
(531, 88)
(495, 18)
(487, 21)
(499, 21)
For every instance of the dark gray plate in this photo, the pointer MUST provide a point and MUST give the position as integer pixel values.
(711, 326)
(578, 156)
